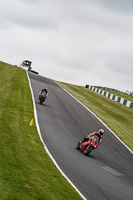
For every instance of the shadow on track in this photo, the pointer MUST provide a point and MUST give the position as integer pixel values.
(40, 104)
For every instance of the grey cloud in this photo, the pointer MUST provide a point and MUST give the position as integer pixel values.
(123, 6)
(32, 1)
(78, 41)
(26, 15)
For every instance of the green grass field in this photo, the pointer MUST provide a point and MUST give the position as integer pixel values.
(26, 171)
(118, 117)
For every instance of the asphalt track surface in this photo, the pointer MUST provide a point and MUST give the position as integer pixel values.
(107, 173)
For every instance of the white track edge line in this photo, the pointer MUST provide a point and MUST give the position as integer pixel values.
(98, 119)
(39, 132)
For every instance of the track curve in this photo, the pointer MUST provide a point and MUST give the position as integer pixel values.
(106, 173)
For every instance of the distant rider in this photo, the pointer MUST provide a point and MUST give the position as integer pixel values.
(44, 90)
(99, 134)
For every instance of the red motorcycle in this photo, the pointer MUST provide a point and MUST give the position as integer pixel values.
(87, 146)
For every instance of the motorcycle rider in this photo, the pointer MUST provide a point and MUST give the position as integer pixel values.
(44, 90)
(99, 134)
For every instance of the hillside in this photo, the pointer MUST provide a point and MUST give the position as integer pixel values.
(26, 171)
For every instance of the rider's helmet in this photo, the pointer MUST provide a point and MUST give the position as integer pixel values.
(101, 131)
(45, 89)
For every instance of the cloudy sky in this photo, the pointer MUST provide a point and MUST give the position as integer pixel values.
(74, 41)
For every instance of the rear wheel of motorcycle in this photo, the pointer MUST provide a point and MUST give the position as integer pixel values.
(87, 150)
(78, 146)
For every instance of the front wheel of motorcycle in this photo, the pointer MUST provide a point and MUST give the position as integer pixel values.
(87, 150)
(41, 100)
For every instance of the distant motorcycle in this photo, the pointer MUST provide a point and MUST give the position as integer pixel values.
(87, 146)
(42, 97)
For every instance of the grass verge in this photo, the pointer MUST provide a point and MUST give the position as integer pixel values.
(118, 117)
(26, 171)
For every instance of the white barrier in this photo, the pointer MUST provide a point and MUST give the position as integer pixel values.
(112, 97)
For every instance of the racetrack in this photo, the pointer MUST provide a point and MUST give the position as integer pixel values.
(107, 173)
